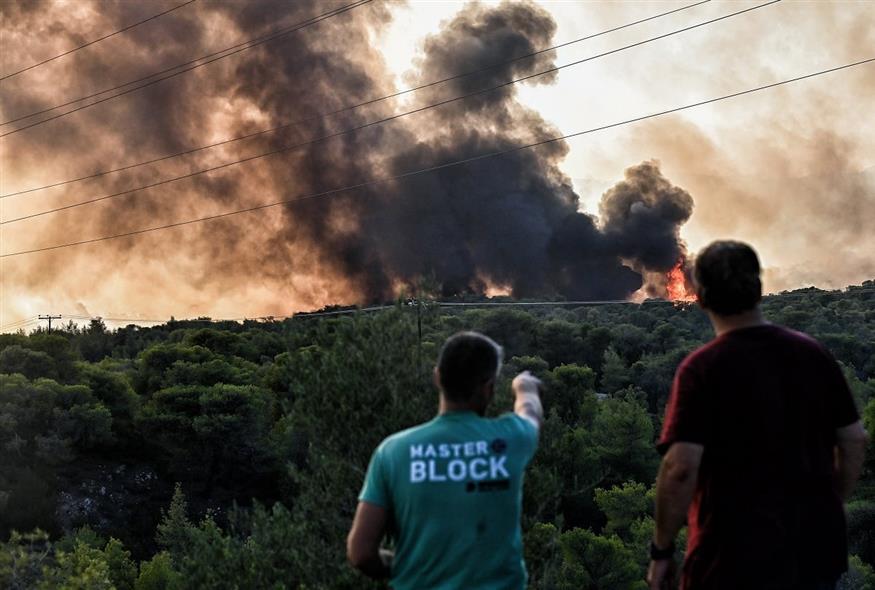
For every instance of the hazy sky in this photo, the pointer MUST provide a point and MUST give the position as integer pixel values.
(791, 170)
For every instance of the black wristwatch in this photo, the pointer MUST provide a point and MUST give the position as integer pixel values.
(657, 554)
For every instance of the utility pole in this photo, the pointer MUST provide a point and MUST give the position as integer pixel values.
(50, 318)
(419, 332)
(415, 301)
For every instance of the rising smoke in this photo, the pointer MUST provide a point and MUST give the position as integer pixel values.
(511, 222)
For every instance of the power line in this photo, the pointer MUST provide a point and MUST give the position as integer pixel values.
(20, 323)
(445, 304)
(312, 314)
(530, 303)
(355, 106)
(406, 175)
(83, 46)
(309, 314)
(236, 49)
(376, 122)
(97, 317)
(334, 312)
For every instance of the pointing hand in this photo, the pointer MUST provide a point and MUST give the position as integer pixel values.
(525, 382)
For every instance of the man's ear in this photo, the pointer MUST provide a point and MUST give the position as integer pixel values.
(489, 390)
(436, 377)
(701, 294)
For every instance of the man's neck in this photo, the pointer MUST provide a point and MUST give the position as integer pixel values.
(727, 323)
(446, 406)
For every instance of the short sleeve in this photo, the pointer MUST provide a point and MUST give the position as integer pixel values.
(686, 416)
(840, 400)
(376, 487)
(525, 432)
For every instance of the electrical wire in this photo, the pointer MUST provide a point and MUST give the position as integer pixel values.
(531, 303)
(318, 116)
(412, 173)
(249, 45)
(311, 314)
(98, 40)
(20, 324)
(88, 317)
(379, 121)
(444, 304)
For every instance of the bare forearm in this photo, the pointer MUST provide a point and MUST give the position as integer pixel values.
(529, 404)
(848, 466)
(527, 399)
(674, 492)
(363, 543)
(374, 567)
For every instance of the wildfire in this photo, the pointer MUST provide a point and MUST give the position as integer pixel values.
(676, 285)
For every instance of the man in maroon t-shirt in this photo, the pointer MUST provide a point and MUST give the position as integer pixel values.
(762, 444)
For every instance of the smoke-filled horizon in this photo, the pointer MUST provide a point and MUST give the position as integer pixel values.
(510, 224)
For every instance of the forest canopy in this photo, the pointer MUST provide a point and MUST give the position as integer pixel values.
(202, 454)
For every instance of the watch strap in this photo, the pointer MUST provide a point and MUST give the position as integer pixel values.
(657, 554)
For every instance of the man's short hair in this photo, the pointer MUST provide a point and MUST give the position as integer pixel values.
(467, 361)
(727, 276)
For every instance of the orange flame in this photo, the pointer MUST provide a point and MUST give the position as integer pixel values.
(676, 285)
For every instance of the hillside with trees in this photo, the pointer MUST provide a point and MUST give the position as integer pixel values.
(201, 454)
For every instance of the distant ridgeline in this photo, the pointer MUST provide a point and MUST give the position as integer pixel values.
(223, 454)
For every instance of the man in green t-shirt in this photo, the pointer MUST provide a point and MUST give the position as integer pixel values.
(449, 492)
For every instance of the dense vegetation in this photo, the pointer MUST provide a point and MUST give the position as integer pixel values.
(225, 455)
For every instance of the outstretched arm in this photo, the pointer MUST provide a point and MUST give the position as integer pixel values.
(527, 402)
(363, 542)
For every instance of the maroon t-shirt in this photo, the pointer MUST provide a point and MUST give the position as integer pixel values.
(765, 402)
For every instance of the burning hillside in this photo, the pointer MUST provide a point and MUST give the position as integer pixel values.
(678, 287)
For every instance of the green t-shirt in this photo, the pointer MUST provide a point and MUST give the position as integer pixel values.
(453, 489)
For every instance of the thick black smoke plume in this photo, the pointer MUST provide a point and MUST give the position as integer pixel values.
(510, 222)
